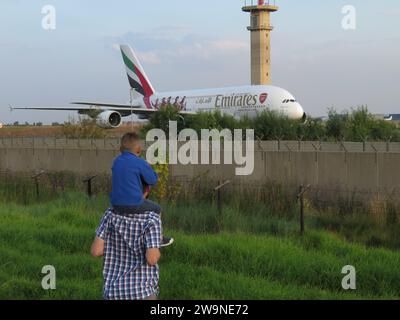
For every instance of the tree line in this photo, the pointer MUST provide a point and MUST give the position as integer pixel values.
(357, 125)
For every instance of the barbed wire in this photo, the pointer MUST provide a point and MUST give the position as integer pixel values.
(260, 146)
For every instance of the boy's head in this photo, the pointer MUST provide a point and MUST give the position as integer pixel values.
(131, 142)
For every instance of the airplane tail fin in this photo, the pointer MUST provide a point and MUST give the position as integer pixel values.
(136, 75)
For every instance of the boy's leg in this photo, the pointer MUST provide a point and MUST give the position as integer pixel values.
(152, 206)
(149, 205)
(146, 206)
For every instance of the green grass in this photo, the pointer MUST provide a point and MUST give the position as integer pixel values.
(252, 257)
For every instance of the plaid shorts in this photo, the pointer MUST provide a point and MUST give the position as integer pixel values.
(127, 276)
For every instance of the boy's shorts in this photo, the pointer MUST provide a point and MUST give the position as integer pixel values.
(146, 206)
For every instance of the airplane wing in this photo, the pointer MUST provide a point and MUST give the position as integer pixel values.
(124, 109)
(109, 105)
(87, 111)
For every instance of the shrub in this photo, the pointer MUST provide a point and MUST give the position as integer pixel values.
(83, 129)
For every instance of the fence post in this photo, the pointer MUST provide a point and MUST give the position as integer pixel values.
(89, 185)
(300, 197)
(36, 179)
(218, 190)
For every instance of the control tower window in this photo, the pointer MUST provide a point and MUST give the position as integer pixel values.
(254, 21)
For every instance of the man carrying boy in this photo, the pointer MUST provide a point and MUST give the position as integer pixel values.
(131, 175)
(130, 233)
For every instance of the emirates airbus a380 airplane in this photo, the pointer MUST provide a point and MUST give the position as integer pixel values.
(236, 101)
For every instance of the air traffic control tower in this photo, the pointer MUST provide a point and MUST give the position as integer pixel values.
(260, 29)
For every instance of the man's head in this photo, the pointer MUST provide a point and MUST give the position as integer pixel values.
(131, 142)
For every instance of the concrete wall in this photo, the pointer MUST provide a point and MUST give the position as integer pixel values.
(369, 170)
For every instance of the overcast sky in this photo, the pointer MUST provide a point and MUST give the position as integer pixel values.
(196, 44)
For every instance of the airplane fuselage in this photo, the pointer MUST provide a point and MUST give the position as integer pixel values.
(236, 101)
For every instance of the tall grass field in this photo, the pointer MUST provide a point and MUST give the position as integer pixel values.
(214, 257)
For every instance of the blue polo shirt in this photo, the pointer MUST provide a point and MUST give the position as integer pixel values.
(129, 173)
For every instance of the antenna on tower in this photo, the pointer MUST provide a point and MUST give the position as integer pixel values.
(260, 2)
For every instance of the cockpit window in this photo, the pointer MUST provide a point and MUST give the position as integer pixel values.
(288, 100)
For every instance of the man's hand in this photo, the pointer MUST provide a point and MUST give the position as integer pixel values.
(97, 249)
(153, 256)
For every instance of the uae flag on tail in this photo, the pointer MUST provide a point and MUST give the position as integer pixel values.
(136, 76)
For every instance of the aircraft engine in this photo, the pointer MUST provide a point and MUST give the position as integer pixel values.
(109, 119)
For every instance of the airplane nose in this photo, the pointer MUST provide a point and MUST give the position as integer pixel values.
(300, 109)
(303, 113)
(298, 112)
